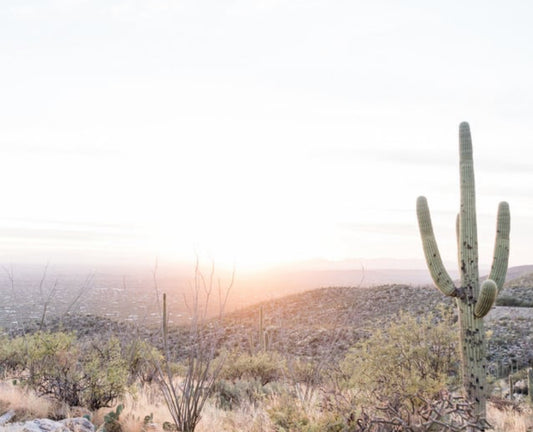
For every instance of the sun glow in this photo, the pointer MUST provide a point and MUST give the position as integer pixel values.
(239, 208)
(247, 243)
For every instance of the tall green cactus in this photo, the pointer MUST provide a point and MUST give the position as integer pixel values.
(473, 301)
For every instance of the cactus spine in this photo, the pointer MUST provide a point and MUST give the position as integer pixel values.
(473, 301)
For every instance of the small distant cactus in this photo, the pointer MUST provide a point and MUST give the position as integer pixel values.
(264, 338)
(473, 300)
(530, 384)
(263, 333)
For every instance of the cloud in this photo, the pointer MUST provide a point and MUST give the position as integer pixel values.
(64, 232)
(408, 156)
(400, 229)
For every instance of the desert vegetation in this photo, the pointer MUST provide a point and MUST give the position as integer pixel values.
(331, 359)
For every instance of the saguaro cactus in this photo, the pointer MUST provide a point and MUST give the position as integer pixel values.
(473, 301)
(530, 384)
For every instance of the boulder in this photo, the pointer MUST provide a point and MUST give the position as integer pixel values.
(78, 424)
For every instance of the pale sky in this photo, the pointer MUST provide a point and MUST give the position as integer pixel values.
(259, 131)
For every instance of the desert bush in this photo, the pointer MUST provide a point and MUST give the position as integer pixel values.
(414, 356)
(52, 363)
(105, 374)
(141, 359)
(399, 375)
(231, 394)
(287, 415)
(55, 364)
(265, 367)
(399, 379)
(12, 357)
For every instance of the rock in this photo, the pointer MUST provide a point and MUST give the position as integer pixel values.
(78, 424)
(6, 417)
(38, 425)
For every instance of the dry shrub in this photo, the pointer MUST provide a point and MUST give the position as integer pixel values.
(26, 404)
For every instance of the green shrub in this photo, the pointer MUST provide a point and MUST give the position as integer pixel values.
(142, 359)
(412, 357)
(13, 357)
(105, 374)
(288, 416)
(264, 367)
(231, 394)
(52, 362)
(55, 364)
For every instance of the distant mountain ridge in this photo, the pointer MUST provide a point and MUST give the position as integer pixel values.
(518, 272)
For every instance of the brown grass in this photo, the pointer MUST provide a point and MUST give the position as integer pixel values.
(245, 418)
(510, 420)
(138, 405)
(26, 404)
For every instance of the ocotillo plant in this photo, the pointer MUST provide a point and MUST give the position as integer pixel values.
(473, 301)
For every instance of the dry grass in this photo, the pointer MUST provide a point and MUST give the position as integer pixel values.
(149, 402)
(510, 420)
(255, 418)
(246, 418)
(26, 404)
(145, 402)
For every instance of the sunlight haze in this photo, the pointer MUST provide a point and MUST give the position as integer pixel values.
(259, 132)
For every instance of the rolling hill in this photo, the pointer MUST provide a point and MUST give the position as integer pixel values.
(324, 323)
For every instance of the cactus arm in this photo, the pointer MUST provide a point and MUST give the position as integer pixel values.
(487, 296)
(438, 272)
(501, 246)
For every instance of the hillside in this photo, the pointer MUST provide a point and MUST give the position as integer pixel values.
(333, 319)
(517, 272)
(518, 288)
(326, 322)
(317, 323)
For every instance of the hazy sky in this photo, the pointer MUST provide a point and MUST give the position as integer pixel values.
(259, 131)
